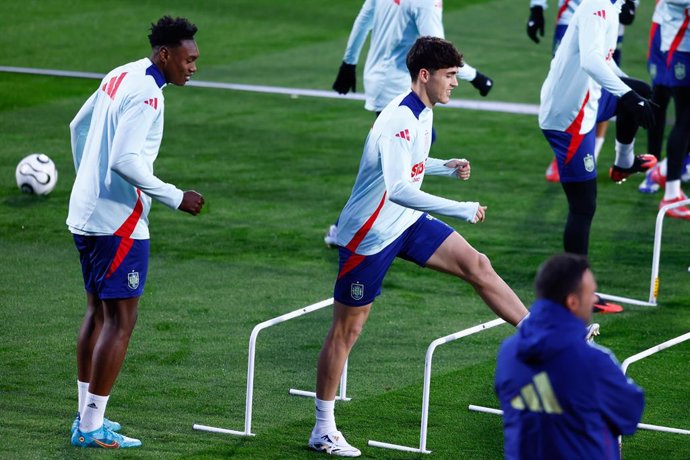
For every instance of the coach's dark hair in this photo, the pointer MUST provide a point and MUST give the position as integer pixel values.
(170, 32)
(432, 53)
(559, 276)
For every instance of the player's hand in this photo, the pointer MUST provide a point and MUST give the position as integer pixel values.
(535, 23)
(481, 214)
(461, 166)
(482, 83)
(192, 202)
(642, 109)
(346, 79)
(627, 14)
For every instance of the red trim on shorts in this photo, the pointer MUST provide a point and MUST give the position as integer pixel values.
(677, 39)
(362, 232)
(124, 232)
(574, 131)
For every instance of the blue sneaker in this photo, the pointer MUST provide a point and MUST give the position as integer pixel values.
(108, 424)
(648, 185)
(103, 438)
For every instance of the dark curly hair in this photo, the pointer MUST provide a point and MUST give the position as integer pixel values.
(432, 53)
(170, 32)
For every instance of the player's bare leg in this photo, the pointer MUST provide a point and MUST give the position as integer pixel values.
(457, 257)
(88, 335)
(345, 329)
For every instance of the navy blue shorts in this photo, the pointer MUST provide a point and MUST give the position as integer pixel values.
(360, 277)
(113, 267)
(575, 153)
(678, 70)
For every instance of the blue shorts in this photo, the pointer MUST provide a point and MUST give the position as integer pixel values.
(656, 60)
(678, 71)
(360, 277)
(575, 153)
(113, 267)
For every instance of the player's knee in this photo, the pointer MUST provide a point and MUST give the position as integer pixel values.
(480, 269)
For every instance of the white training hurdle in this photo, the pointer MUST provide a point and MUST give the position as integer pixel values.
(624, 368)
(250, 370)
(427, 385)
(654, 281)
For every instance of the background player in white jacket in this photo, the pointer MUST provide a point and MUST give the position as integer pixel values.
(115, 140)
(583, 87)
(386, 218)
(394, 27)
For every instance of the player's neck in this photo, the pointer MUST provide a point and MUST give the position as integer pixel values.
(420, 90)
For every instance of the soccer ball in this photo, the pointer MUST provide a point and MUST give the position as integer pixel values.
(36, 174)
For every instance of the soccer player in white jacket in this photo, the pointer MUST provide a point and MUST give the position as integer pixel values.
(585, 86)
(386, 217)
(115, 140)
(675, 43)
(394, 27)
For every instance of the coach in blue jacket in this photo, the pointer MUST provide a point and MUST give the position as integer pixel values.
(563, 398)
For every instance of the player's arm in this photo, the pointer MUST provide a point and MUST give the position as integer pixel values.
(129, 139)
(619, 399)
(346, 79)
(397, 165)
(79, 129)
(456, 167)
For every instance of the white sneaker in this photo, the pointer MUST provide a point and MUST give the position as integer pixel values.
(331, 236)
(333, 443)
(592, 331)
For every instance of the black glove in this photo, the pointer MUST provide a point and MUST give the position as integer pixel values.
(482, 83)
(346, 79)
(627, 15)
(535, 23)
(642, 109)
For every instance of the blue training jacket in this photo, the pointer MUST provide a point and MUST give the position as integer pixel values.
(562, 398)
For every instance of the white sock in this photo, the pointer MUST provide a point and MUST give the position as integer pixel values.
(672, 189)
(598, 144)
(82, 389)
(625, 156)
(325, 417)
(93, 412)
(522, 320)
(662, 167)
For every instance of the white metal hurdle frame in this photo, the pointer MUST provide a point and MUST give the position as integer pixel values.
(427, 384)
(654, 281)
(624, 368)
(250, 370)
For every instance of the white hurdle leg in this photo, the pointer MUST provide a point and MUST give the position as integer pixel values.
(342, 396)
(427, 385)
(656, 256)
(250, 367)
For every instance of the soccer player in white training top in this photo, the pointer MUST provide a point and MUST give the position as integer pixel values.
(386, 217)
(394, 26)
(115, 140)
(585, 86)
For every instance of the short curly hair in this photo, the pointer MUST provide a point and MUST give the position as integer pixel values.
(432, 53)
(170, 32)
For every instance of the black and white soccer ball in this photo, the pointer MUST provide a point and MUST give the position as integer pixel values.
(36, 174)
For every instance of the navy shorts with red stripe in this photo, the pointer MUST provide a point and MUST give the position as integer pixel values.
(360, 283)
(113, 267)
(580, 166)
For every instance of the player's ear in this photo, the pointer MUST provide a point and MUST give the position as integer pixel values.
(423, 75)
(164, 54)
(572, 302)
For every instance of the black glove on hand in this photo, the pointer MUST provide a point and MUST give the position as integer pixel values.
(627, 15)
(640, 107)
(535, 23)
(346, 79)
(482, 83)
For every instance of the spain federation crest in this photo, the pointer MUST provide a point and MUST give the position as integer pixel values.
(652, 71)
(589, 162)
(679, 71)
(133, 280)
(357, 291)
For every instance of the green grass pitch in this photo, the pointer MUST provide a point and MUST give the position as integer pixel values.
(275, 172)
